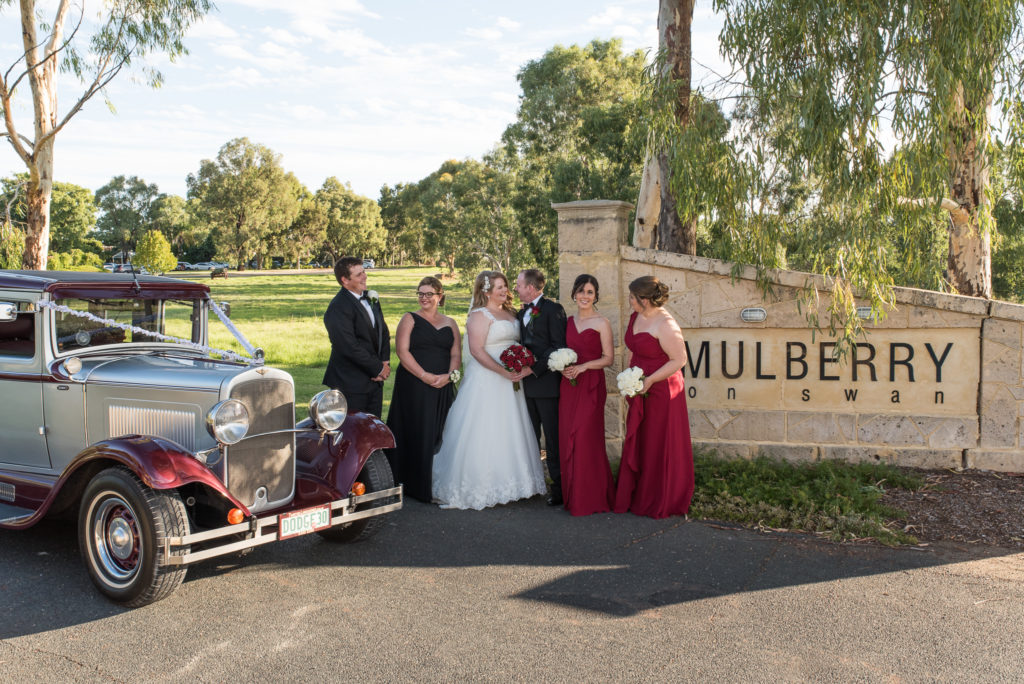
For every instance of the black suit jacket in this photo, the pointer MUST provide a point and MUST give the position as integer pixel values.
(358, 349)
(544, 334)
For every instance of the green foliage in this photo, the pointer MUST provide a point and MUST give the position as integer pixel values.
(12, 245)
(154, 253)
(75, 260)
(245, 198)
(837, 499)
(577, 135)
(72, 212)
(354, 226)
(828, 88)
(127, 204)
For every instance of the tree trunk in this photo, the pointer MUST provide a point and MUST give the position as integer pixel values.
(673, 234)
(42, 77)
(970, 249)
(37, 219)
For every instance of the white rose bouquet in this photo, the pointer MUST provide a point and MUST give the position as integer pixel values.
(560, 359)
(455, 376)
(630, 381)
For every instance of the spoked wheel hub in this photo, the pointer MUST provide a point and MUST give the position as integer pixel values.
(118, 543)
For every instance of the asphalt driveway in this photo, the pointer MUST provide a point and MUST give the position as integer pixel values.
(524, 592)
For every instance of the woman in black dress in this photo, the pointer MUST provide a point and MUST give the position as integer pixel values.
(429, 349)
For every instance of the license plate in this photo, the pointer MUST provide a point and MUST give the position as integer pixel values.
(303, 522)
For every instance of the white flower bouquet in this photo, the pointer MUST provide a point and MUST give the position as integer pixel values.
(455, 376)
(560, 359)
(630, 381)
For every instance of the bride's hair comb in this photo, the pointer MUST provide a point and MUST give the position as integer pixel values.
(487, 284)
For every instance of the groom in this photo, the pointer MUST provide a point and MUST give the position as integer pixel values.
(543, 324)
(360, 341)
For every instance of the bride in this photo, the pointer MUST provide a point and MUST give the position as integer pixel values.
(489, 454)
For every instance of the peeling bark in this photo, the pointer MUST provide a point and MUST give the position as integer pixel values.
(670, 233)
(970, 250)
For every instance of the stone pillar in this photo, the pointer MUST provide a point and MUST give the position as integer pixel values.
(589, 235)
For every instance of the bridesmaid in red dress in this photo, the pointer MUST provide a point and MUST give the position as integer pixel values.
(587, 483)
(656, 474)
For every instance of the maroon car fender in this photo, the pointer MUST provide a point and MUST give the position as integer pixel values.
(159, 463)
(325, 470)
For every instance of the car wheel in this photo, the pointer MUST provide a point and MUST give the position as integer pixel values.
(122, 525)
(376, 475)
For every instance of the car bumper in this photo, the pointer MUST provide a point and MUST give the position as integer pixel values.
(267, 529)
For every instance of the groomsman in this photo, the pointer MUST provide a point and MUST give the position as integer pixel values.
(543, 327)
(360, 341)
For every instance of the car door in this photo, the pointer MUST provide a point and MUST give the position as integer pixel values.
(21, 388)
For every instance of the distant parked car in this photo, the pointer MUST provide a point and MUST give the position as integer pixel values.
(128, 268)
(368, 263)
(204, 266)
(183, 266)
(109, 267)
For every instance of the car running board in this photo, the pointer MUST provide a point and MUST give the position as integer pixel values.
(12, 514)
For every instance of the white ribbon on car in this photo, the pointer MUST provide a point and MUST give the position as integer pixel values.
(230, 355)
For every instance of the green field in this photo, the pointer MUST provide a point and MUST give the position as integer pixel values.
(283, 314)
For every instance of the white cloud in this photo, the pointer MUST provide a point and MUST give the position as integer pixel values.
(484, 33)
(212, 28)
(313, 9)
(279, 35)
(508, 24)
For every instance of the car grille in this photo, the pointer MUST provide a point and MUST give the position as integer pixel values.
(265, 461)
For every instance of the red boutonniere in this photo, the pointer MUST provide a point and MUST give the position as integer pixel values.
(533, 309)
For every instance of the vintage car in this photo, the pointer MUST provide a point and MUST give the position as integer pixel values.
(118, 414)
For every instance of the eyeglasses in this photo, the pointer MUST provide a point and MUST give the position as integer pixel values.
(426, 295)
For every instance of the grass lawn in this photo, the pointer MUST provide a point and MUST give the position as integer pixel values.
(283, 314)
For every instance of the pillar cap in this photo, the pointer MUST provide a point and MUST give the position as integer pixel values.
(591, 204)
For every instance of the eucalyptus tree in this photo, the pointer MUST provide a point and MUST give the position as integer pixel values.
(94, 46)
(577, 135)
(72, 213)
(244, 196)
(127, 206)
(354, 226)
(859, 81)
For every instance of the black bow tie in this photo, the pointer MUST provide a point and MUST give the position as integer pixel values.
(365, 297)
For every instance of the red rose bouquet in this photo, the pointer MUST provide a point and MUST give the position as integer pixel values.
(515, 358)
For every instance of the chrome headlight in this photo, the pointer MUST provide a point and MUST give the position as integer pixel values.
(228, 421)
(328, 409)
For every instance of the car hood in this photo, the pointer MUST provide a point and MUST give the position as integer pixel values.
(159, 370)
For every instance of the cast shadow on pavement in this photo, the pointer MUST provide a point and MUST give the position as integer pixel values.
(616, 565)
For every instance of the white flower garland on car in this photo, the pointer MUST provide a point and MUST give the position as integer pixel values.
(257, 354)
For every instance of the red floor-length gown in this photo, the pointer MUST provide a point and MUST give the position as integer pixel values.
(587, 484)
(656, 475)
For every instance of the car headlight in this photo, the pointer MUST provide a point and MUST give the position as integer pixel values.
(228, 421)
(328, 409)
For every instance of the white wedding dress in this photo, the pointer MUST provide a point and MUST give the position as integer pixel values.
(489, 453)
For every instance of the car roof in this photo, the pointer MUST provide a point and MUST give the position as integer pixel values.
(96, 283)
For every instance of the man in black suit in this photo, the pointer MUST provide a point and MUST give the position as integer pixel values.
(543, 325)
(360, 341)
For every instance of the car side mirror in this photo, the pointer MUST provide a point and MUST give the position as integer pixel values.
(8, 311)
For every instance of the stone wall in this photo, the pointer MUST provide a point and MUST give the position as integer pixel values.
(939, 383)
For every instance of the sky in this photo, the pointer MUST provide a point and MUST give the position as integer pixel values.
(373, 92)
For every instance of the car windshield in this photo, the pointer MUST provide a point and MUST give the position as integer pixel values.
(99, 322)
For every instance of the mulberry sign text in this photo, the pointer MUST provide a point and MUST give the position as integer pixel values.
(925, 372)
